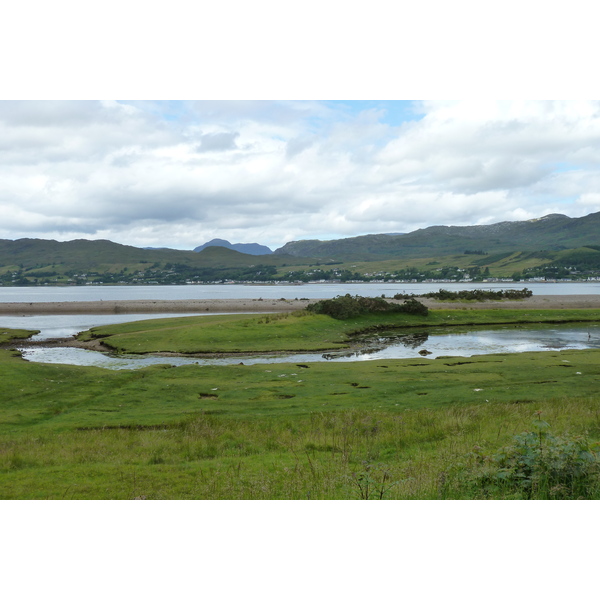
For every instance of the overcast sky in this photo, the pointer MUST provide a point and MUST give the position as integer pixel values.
(178, 174)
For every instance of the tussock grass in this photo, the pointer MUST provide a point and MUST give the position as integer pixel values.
(350, 454)
(395, 429)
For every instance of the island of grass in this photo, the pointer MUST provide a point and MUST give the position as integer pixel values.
(307, 330)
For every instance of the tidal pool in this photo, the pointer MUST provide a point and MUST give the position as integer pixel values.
(390, 345)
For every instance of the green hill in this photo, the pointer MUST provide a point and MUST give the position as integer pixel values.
(554, 246)
(36, 261)
(552, 232)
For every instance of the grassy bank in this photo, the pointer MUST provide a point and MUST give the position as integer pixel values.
(380, 429)
(9, 335)
(299, 331)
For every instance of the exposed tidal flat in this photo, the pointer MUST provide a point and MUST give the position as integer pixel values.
(150, 306)
(381, 429)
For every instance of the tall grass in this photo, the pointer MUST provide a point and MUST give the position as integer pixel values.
(395, 429)
(349, 454)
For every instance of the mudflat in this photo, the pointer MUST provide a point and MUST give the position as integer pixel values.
(103, 307)
(267, 305)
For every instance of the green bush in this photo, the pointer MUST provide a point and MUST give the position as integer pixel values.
(539, 465)
(347, 307)
(414, 307)
(480, 295)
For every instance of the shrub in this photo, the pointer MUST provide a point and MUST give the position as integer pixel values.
(480, 295)
(539, 465)
(414, 307)
(347, 307)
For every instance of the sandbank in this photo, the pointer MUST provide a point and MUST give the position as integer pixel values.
(114, 307)
(205, 306)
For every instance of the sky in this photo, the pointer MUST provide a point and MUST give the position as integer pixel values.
(259, 122)
(180, 173)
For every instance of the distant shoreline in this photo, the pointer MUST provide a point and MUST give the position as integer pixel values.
(267, 305)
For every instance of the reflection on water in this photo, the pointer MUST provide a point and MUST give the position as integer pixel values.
(463, 342)
(509, 339)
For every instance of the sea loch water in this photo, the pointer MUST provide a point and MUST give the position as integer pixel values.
(93, 293)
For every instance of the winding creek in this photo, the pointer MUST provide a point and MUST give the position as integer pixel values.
(421, 344)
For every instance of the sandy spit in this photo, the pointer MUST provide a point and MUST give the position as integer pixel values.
(264, 306)
(113, 307)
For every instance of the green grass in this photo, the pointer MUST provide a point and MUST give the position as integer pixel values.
(281, 430)
(299, 331)
(7, 335)
(227, 333)
(503, 265)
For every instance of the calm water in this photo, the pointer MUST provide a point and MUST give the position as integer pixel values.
(462, 344)
(459, 343)
(67, 325)
(311, 291)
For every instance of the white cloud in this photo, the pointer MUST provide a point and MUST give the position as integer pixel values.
(177, 174)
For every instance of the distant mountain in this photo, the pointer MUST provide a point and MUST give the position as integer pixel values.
(552, 232)
(48, 262)
(254, 249)
(566, 241)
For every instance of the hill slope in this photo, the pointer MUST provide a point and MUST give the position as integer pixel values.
(552, 232)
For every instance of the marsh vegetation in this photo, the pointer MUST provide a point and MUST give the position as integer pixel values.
(494, 426)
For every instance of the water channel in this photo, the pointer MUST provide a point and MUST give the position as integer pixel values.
(392, 345)
(474, 341)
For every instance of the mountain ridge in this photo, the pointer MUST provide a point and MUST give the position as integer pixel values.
(551, 232)
(568, 245)
(252, 248)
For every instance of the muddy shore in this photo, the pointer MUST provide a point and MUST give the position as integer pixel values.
(104, 307)
(115, 307)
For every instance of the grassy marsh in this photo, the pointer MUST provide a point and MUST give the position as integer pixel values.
(396, 429)
(299, 331)
(9, 335)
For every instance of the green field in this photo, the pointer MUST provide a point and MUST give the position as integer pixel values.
(392, 429)
(299, 331)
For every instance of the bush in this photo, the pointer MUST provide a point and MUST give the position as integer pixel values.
(480, 295)
(414, 307)
(539, 465)
(347, 307)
